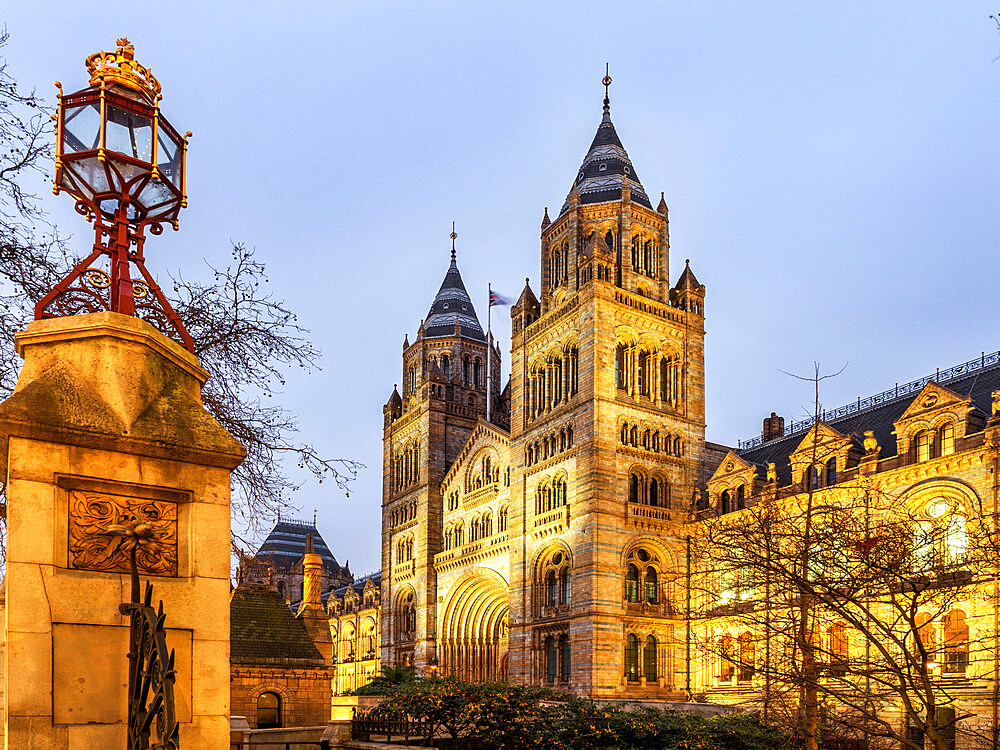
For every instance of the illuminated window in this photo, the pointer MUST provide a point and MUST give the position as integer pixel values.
(946, 436)
(649, 660)
(747, 658)
(632, 584)
(632, 658)
(956, 642)
(649, 586)
(268, 711)
(923, 445)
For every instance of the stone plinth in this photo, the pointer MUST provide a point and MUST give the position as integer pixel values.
(106, 421)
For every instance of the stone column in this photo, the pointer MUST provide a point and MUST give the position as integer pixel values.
(106, 423)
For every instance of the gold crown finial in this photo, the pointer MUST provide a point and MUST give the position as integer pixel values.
(119, 67)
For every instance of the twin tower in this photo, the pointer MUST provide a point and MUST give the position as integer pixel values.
(541, 545)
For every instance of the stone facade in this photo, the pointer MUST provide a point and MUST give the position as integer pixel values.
(106, 420)
(355, 626)
(547, 544)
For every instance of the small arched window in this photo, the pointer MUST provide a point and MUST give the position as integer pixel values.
(741, 497)
(621, 380)
(726, 657)
(632, 658)
(956, 642)
(923, 445)
(946, 437)
(268, 711)
(649, 659)
(956, 541)
(654, 492)
(551, 589)
(633, 488)
(475, 372)
(747, 658)
(831, 472)
(725, 502)
(632, 584)
(565, 586)
(649, 586)
(502, 520)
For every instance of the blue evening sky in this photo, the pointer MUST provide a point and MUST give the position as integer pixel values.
(831, 172)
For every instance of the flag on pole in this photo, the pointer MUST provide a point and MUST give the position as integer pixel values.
(498, 299)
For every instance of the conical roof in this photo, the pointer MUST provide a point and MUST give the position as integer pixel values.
(687, 279)
(605, 168)
(451, 302)
(286, 544)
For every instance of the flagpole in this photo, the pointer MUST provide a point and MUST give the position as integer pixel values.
(489, 350)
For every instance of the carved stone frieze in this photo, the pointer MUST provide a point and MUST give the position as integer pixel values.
(93, 546)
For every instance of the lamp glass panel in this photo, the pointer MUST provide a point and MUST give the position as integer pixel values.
(168, 158)
(155, 193)
(129, 133)
(81, 128)
(89, 174)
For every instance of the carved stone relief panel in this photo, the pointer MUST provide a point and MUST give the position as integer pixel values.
(93, 546)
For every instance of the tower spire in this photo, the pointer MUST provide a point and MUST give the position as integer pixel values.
(454, 236)
(607, 82)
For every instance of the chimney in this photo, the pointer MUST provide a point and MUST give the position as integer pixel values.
(311, 612)
(774, 427)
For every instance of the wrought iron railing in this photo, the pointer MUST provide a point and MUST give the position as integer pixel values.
(985, 361)
(380, 722)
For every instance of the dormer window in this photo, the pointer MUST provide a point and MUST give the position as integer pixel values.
(603, 168)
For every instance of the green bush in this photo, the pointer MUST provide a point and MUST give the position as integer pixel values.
(488, 716)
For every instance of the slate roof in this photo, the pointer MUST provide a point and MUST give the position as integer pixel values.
(978, 384)
(263, 630)
(286, 544)
(452, 301)
(359, 584)
(605, 168)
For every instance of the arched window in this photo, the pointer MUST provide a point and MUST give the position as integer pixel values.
(956, 642)
(406, 616)
(632, 584)
(812, 477)
(725, 503)
(449, 537)
(643, 372)
(487, 525)
(747, 658)
(923, 445)
(654, 492)
(839, 649)
(465, 371)
(632, 658)
(565, 586)
(621, 378)
(649, 586)
(446, 366)
(649, 660)
(268, 711)
(633, 487)
(946, 437)
(564, 658)
(459, 534)
(726, 657)
(551, 589)
(281, 589)
(550, 659)
(502, 520)
(831, 472)
(741, 497)
(475, 372)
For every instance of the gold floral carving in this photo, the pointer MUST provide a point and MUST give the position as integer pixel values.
(94, 545)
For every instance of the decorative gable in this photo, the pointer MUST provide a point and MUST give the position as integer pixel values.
(731, 475)
(936, 409)
(825, 447)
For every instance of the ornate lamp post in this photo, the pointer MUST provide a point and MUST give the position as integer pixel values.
(124, 164)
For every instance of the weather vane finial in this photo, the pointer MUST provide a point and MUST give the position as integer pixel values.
(607, 82)
(454, 236)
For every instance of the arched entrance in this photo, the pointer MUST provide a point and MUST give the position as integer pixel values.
(474, 628)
